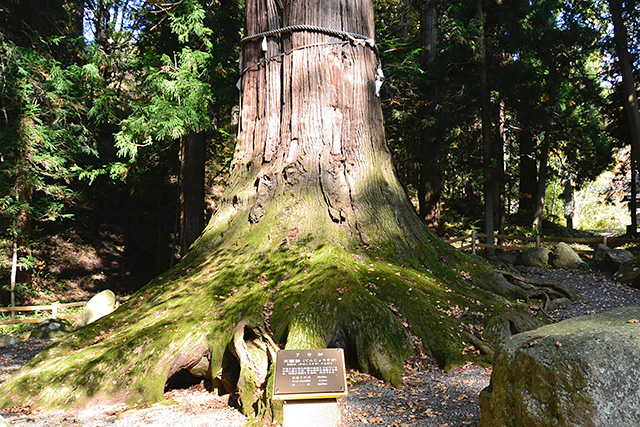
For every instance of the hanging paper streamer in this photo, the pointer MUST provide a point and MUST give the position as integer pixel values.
(379, 79)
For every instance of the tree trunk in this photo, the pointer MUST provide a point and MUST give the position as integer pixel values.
(500, 208)
(569, 203)
(626, 69)
(528, 174)
(101, 20)
(314, 245)
(538, 212)
(430, 172)
(632, 229)
(192, 156)
(24, 193)
(490, 160)
(14, 274)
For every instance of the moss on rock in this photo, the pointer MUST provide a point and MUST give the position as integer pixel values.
(582, 371)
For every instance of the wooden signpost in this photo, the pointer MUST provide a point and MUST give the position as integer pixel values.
(309, 381)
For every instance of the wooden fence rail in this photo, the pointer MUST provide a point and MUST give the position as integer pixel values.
(475, 243)
(53, 307)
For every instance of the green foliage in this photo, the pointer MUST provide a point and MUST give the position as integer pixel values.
(178, 68)
(178, 99)
(188, 23)
(43, 132)
(544, 68)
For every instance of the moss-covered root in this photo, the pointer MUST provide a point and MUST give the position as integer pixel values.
(224, 307)
(255, 351)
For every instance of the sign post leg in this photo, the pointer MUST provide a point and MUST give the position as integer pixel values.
(311, 413)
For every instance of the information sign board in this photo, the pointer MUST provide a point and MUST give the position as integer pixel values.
(310, 374)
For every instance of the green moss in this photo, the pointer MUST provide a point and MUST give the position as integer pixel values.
(318, 293)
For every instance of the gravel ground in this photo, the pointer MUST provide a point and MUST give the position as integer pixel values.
(429, 397)
(598, 290)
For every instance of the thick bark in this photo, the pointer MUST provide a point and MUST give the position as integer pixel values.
(630, 97)
(314, 245)
(430, 172)
(626, 69)
(192, 207)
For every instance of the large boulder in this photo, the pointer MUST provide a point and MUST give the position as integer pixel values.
(51, 328)
(608, 259)
(99, 305)
(534, 257)
(579, 372)
(566, 257)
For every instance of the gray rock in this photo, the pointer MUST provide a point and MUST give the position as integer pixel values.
(502, 326)
(4, 423)
(7, 340)
(534, 257)
(51, 328)
(202, 369)
(629, 272)
(566, 257)
(98, 306)
(578, 372)
(557, 303)
(608, 259)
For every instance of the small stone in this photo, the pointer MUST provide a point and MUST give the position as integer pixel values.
(6, 340)
(51, 328)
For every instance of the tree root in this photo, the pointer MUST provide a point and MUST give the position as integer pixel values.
(540, 288)
(256, 354)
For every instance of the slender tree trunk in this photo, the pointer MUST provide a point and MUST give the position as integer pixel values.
(569, 202)
(626, 69)
(14, 272)
(490, 160)
(23, 226)
(101, 19)
(528, 174)
(430, 171)
(633, 203)
(192, 195)
(500, 203)
(78, 15)
(538, 212)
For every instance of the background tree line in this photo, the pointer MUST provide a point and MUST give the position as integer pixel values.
(124, 112)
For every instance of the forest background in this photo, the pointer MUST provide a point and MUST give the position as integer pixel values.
(119, 117)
